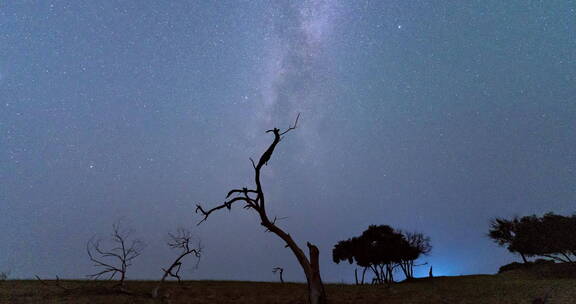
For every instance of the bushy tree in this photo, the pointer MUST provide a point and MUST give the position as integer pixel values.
(547, 236)
(382, 249)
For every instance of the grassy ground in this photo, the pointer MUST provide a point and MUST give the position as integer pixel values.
(463, 289)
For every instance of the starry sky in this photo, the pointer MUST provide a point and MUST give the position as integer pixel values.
(430, 116)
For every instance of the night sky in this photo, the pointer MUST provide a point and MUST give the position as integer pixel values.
(431, 116)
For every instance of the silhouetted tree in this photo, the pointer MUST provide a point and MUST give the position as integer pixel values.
(254, 199)
(181, 241)
(361, 250)
(546, 236)
(114, 261)
(382, 249)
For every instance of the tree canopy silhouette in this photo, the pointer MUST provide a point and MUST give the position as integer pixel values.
(546, 236)
(382, 249)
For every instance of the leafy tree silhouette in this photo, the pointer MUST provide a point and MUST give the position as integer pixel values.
(546, 236)
(382, 249)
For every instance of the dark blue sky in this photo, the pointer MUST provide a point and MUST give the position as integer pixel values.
(431, 116)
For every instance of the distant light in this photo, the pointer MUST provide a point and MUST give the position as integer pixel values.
(399, 26)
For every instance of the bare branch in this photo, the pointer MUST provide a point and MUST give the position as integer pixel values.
(292, 127)
(227, 204)
(244, 191)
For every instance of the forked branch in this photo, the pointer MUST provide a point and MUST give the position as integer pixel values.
(243, 195)
(290, 128)
(250, 203)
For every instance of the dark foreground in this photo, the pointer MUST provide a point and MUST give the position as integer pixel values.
(463, 289)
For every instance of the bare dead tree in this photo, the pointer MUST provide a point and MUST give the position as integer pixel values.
(280, 272)
(181, 241)
(115, 261)
(254, 199)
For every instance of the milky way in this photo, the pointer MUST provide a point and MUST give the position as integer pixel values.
(294, 66)
(425, 115)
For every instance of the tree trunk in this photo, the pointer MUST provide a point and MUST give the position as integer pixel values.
(404, 267)
(390, 274)
(122, 277)
(311, 267)
(523, 258)
(376, 279)
(316, 292)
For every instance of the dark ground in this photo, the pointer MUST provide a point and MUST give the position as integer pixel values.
(512, 287)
